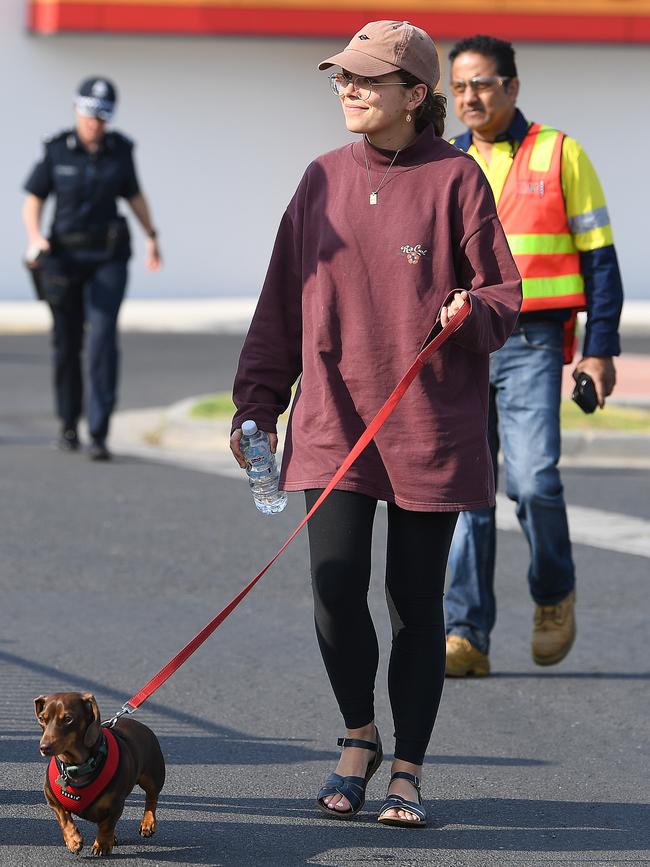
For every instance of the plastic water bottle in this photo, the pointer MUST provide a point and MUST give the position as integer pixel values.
(263, 473)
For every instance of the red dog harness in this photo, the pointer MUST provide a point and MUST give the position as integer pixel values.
(76, 799)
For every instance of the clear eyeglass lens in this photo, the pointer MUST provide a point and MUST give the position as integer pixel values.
(480, 84)
(362, 86)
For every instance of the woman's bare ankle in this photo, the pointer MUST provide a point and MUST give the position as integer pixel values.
(400, 786)
(408, 767)
(365, 733)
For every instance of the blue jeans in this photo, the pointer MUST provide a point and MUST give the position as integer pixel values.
(524, 418)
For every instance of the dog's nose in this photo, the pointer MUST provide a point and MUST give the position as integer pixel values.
(46, 748)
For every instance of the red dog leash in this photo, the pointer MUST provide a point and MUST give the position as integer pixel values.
(175, 663)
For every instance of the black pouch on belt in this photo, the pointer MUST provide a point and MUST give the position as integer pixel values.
(35, 270)
(56, 282)
(117, 238)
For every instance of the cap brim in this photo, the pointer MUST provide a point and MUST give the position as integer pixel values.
(100, 115)
(359, 63)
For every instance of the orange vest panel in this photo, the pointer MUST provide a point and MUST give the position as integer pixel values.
(533, 213)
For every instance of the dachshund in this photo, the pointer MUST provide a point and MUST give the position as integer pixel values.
(93, 768)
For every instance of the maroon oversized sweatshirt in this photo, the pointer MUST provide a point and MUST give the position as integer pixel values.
(351, 293)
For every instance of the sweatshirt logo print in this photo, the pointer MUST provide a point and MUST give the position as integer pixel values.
(413, 254)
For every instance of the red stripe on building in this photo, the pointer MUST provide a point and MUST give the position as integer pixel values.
(165, 19)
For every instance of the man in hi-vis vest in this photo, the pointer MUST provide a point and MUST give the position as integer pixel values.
(554, 214)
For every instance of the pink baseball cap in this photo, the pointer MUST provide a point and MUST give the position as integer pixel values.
(389, 46)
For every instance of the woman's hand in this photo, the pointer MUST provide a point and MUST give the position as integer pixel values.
(448, 311)
(37, 245)
(153, 259)
(235, 440)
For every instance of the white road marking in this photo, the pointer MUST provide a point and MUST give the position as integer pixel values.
(596, 527)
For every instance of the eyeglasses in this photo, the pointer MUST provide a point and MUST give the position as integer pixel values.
(479, 84)
(363, 87)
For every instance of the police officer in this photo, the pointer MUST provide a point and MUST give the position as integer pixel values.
(83, 264)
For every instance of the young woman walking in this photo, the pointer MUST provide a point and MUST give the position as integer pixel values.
(383, 239)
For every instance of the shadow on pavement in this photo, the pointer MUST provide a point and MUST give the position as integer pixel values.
(577, 675)
(62, 680)
(506, 825)
(241, 749)
(231, 749)
(221, 745)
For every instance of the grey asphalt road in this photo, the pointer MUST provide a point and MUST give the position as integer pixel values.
(107, 570)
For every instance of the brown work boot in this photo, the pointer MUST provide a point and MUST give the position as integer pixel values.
(463, 658)
(554, 631)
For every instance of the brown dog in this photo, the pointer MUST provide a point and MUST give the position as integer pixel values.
(93, 768)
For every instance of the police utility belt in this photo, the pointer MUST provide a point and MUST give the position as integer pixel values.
(50, 273)
(109, 240)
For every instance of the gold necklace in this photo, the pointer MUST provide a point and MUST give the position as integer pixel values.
(374, 194)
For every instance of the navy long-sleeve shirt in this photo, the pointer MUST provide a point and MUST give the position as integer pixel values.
(588, 222)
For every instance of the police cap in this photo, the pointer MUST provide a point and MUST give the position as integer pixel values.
(96, 97)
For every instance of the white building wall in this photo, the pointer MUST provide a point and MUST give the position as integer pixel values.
(225, 126)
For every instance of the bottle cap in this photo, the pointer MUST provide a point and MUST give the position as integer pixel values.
(249, 428)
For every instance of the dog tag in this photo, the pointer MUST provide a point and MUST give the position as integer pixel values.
(61, 781)
(373, 198)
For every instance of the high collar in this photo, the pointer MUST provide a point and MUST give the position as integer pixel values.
(515, 133)
(74, 143)
(415, 154)
(517, 130)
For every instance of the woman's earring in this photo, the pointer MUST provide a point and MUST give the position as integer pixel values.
(408, 118)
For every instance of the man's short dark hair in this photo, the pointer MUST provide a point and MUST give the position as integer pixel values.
(498, 50)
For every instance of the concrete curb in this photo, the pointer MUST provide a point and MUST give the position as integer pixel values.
(177, 315)
(210, 315)
(169, 435)
(611, 449)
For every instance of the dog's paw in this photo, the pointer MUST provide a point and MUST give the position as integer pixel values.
(103, 847)
(148, 825)
(74, 842)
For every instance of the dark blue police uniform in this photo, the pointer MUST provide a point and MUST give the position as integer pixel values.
(85, 274)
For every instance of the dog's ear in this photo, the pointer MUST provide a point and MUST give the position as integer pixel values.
(92, 732)
(39, 704)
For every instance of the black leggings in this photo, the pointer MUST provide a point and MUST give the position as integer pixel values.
(340, 535)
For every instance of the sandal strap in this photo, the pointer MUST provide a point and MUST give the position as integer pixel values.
(355, 742)
(413, 780)
(352, 788)
(397, 802)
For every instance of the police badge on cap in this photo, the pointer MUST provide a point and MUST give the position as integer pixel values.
(96, 97)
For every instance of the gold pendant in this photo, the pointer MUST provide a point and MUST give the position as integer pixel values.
(373, 198)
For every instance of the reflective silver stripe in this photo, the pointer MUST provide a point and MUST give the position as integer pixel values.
(91, 106)
(596, 219)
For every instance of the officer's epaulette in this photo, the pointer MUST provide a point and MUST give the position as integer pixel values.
(58, 136)
(118, 138)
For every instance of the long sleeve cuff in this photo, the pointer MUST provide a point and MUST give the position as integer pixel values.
(604, 291)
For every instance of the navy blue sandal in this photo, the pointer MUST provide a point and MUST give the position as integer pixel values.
(397, 802)
(352, 788)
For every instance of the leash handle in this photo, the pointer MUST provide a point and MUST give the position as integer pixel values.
(400, 389)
